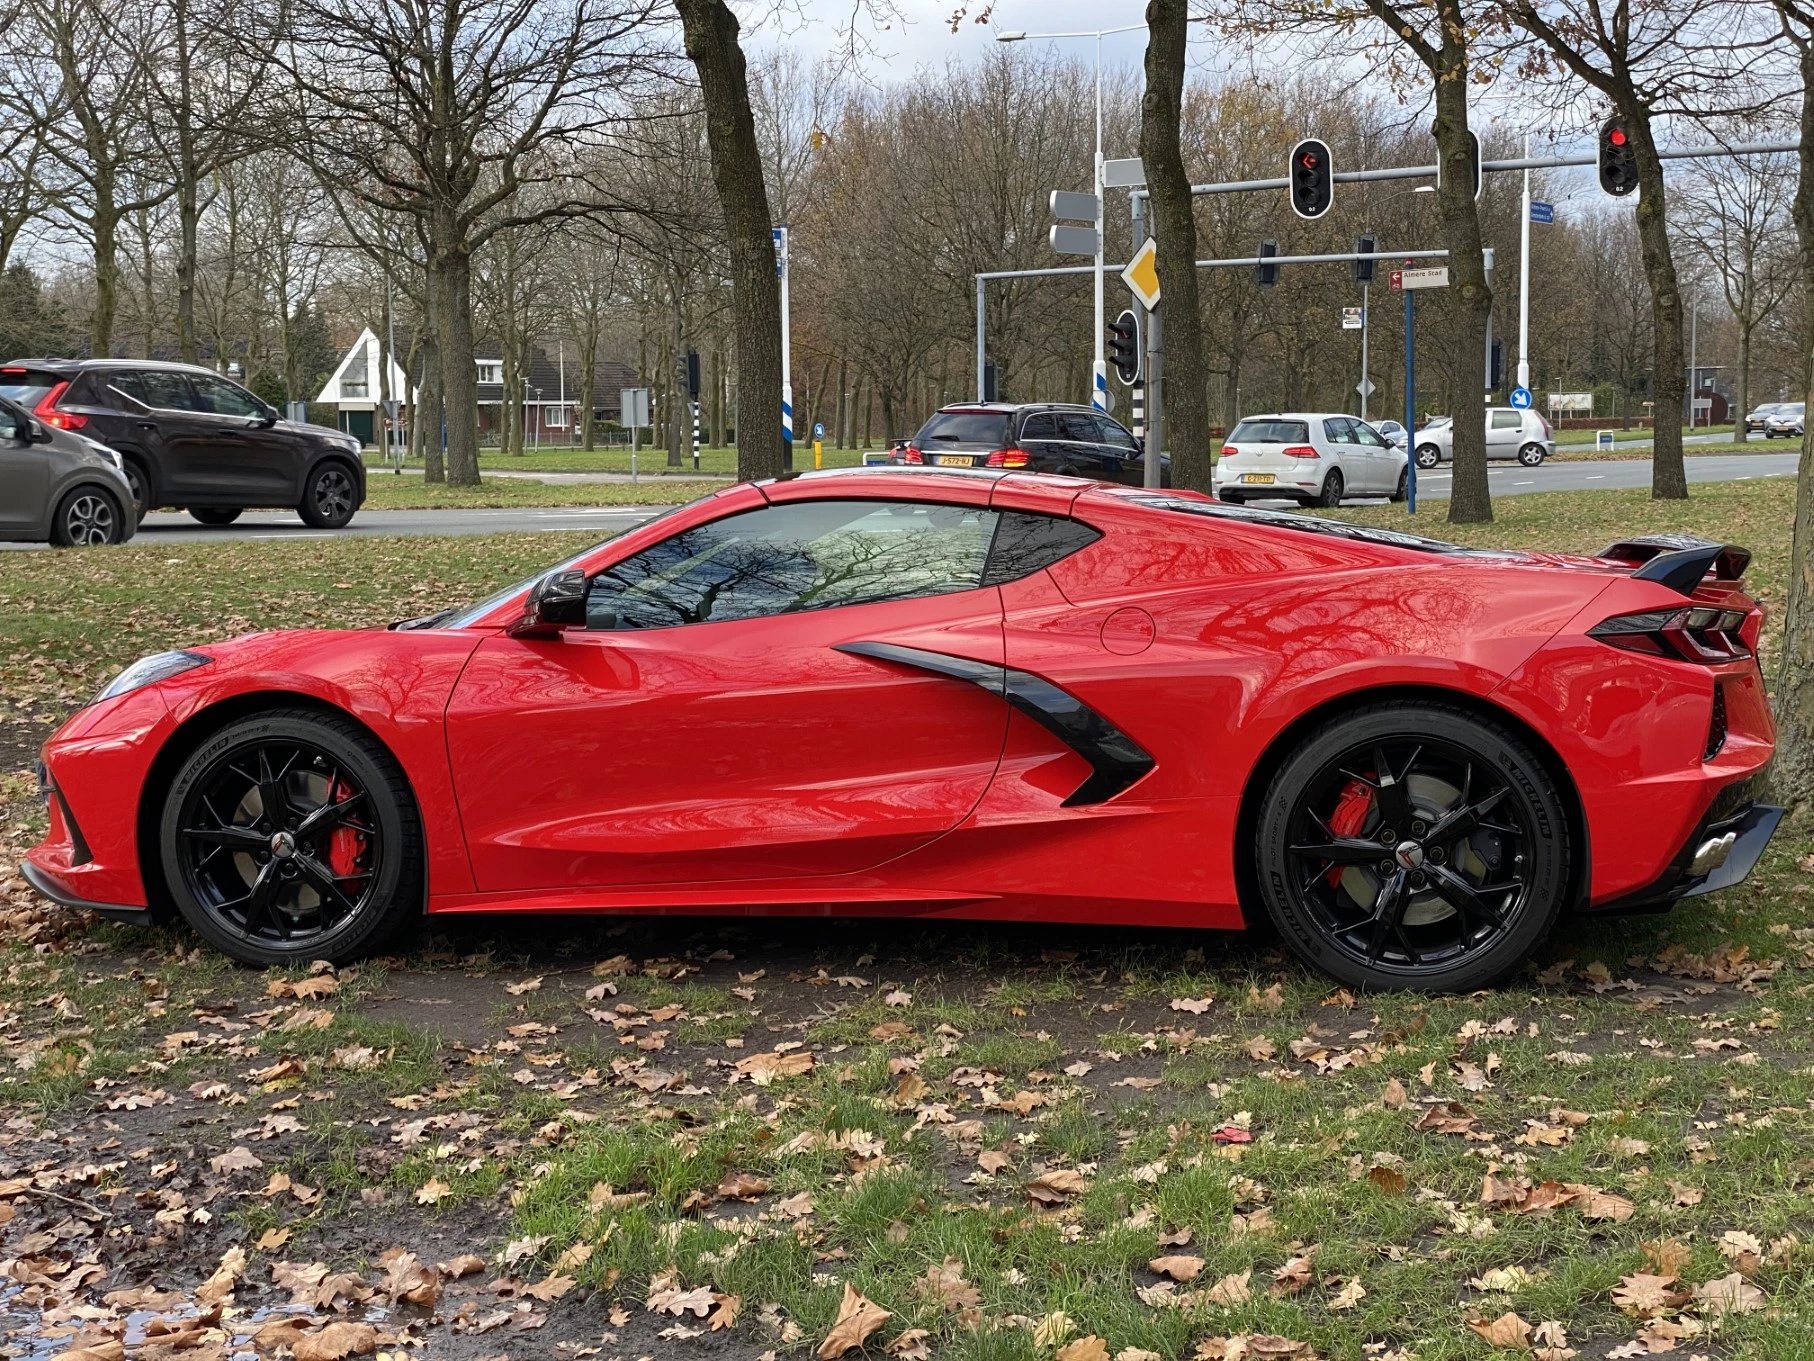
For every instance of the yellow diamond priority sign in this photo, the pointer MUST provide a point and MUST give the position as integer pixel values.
(1142, 274)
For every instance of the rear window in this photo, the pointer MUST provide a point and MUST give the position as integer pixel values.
(965, 427)
(1271, 432)
(26, 388)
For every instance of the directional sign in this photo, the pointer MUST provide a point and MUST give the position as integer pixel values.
(1123, 174)
(1069, 207)
(1435, 277)
(1074, 240)
(1544, 213)
(1142, 274)
(1352, 320)
(1522, 399)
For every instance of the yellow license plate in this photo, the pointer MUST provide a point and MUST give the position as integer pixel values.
(956, 461)
(1257, 479)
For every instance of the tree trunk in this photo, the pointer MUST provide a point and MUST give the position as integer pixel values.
(1744, 375)
(188, 192)
(1793, 772)
(106, 225)
(1184, 390)
(459, 366)
(712, 46)
(1668, 381)
(1471, 297)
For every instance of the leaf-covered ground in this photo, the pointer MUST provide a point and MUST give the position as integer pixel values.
(685, 1139)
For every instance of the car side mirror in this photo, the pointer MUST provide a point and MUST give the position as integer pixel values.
(266, 418)
(556, 602)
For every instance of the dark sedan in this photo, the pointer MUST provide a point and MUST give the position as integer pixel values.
(1043, 437)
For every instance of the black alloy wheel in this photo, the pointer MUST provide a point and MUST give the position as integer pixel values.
(330, 500)
(291, 837)
(1331, 495)
(1414, 847)
(86, 518)
(141, 490)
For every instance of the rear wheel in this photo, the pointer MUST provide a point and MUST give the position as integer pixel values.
(1531, 455)
(328, 502)
(292, 836)
(1331, 494)
(1404, 475)
(215, 515)
(1413, 846)
(1428, 456)
(87, 517)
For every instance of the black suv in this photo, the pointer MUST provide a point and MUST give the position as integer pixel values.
(191, 439)
(1043, 437)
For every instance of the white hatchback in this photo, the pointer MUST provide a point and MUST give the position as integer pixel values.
(1314, 458)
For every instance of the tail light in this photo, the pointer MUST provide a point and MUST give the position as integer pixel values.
(1699, 634)
(911, 454)
(1300, 451)
(1007, 458)
(48, 412)
(1229, 450)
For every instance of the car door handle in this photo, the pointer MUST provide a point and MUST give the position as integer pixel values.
(148, 425)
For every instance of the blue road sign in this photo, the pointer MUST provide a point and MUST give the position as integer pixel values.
(1522, 399)
(818, 429)
(1543, 212)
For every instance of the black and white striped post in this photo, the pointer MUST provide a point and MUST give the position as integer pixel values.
(1137, 408)
(695, 436)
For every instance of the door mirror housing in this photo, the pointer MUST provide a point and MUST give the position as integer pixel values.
(266, 417)
(556, 603)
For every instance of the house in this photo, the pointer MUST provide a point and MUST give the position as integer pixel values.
(356, 394)
(550, 392)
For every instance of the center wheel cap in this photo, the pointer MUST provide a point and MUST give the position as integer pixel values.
(1409, 855)
(283, 846)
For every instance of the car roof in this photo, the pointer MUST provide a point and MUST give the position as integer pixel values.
(1298, 416)
(75, 365)
(1006, 408)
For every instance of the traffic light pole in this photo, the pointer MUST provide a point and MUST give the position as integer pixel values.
(1524, 279)
(1366, 320)
(1410, 401)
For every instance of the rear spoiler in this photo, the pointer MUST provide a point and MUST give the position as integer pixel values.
(1679, 561)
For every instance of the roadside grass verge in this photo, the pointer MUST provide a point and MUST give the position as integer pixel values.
(385, 491)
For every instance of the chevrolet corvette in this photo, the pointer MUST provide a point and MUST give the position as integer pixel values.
(991, 695)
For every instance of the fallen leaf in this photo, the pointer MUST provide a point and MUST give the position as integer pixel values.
(1091, 1348)
(1728, 1295)
(335, 1341)
(1508, 1330)
(1181, 1269)
(858, 1317)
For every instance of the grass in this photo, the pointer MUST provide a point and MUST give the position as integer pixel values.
(716, 461)
(385, 492)
(1621, 436)
(1667, 1061)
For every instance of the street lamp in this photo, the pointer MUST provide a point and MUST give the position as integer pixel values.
(1099, 378)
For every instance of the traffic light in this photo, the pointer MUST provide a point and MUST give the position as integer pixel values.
(1473, 172)
(1266, 274)
(1618, 161)
(1495, 366)
(1363, 269)
(1312, 178)
(1124, 346)
(693, 374)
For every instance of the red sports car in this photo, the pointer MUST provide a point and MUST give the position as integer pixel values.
(977, 695)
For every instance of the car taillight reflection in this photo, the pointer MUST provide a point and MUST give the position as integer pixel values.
(911, 454)
(48, 412)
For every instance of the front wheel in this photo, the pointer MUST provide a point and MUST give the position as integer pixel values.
(1531, 455)
(1413, 846)
(1331, 495)
(87, 517)
(329, 500)
(1428, 456)
(291, 836)
(1403, 485)
(215, 515)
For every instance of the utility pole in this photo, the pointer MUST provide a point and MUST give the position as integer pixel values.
(1524, 279)
(1694, 346)
(1366, 320)
(786, 268)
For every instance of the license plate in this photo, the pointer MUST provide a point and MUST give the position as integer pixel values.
(956, 461)
(1257, 479)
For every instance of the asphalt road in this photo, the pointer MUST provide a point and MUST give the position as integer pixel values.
(1507, 479)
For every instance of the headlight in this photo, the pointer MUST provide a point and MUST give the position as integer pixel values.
(149, 671)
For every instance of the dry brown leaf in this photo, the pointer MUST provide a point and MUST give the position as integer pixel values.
(1090, 1348)
(1508, 1330)
(433, 1191)
(1181, 1269)
(858, 1317)
(219, 1287)
(1728, 1295)
(1641, 1293)
(1051, 1188)
(337, 1340)
(773, 1065)
(1235, 1288)
(946, 1285)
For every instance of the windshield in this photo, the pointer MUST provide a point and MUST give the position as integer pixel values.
(965, 427)
(1267, 430)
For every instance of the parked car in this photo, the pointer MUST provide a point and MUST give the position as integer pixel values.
(1213, 715)
(192, 439)
(59, 487)
(1758, 418)
(1391, 432)
(1510, 433)
(1041, 437)
(1786, 420)
(1311, 457)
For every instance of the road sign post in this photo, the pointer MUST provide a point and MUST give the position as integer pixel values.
(784, 268)
(1410, 401)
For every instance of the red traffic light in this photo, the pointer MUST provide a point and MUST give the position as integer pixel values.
(1308, 160)
(1617, 137)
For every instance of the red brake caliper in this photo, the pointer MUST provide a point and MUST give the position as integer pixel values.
(346, 845)
(1349, 817)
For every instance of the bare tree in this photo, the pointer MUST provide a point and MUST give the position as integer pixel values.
(1185, 390)
(446, 112)
(1649, 61)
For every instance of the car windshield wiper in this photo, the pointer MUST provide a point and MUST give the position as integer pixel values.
(426, 621)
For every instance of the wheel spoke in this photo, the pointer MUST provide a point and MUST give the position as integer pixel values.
(328, 815)
(1465, 898)
(323, 881)
(1388, 910)
(261, 900)
(275, 804)
(244, 838)
(1464, 817)
(1343, 850)
(1393, 799)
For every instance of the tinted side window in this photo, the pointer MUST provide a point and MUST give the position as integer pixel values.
(159, 389)
(1078, 426)
(1025, 543)
(222, 398)
(806, 556)
(1040, 425)
(1114, 435)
